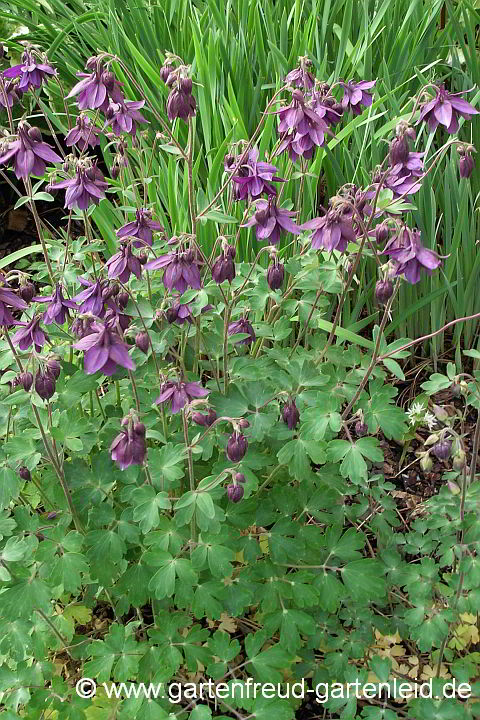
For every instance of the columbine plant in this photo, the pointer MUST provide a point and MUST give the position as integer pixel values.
(188, 444)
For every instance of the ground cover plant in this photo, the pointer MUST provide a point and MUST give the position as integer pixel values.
(192, 483)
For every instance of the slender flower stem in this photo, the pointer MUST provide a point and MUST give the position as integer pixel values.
(50, 452)
(38, 225)
(228, 310)
(303, 333)
(191, 189)
(375, 356)
(191, 477)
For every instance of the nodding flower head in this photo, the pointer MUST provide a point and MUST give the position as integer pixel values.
(181, 270)
(180, 393)
(410, 256)
(445, 109)
(88, 186)
(32, 73)
(96, 89)
(28, 152)
(271, 221)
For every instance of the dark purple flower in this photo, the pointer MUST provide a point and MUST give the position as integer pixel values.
(124, 116)
(204, 420)
(181, 270)
(254, 178)
(180, 104)
(242, 326)
(88, 186)
(129, 447)
(301, 77)
(407, 251)
(354, 95)
(142, 342)
(399, 150)
(92, 298)
(383, 291)
(142, 228)
(334, 230)
(45, 385)
(235, 492)
(180, 393)
(53, 367)
(104, 350)
(275, 275)
(270, 221)
(179, 313)
(30, 72)
(290, 414)
(325, 105)
(24, 473)
(361, 428)
(58, 308)
(124, 263)
(302, 129)
(25, 379)
(165, 71)
(30, 334)
(12, 94)
(236, 446)
(83, 134)
(442, 449)
(95, 89)
(27, 291)
(29, 153)
(444, 109)
(466, 163)
(224, 266)
(8, 299)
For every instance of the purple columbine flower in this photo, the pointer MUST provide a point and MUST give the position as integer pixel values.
(83, 134)
(181, 270)
(124, 263)
(355, 95)
(180, 102)
(29, 153)
(45, 384)
(88, 186)
(58, 308)
(95, 89)
(290, 414)
(235, 492)
(407, 251)
(466, 162)
(92, 298)
(325, 105)
(104, 350)
(237, 446)
(302, 129)
(242, 326)
(12, 93)
(275, 275)
(30, 334)
(142, 228)
(30, 72)
(180, 393)
(444, 109)
(254, 178)
(9, 299)
(224, 266)
(334, 230)
(124, 116)
(204, 420)
(129, 447)
(270, 220)
(301, 76)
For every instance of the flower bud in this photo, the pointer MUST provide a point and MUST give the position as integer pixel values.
(440, 413)
(237, 446)
(298, 96)
(239, 478)
(426, 463)
(383, 291)
(290, 415)
(143, 258)
(456, 389)
(186, 85)
(398, 151)
(442, 449)
(275, 276)
(44, 385)
(459, 460)
(382, 232)
(53, 367)
(204, 420)
(361, 428)
(115, 171)
(27, 291)
(243, 423)
(52, 515)
(169, 82)
(466, 165)
(235, 492)
(139, 429)
(165, 71)
(26, 380)
(453, 487)
(24, 473)
(122, 299)
(142, 342)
